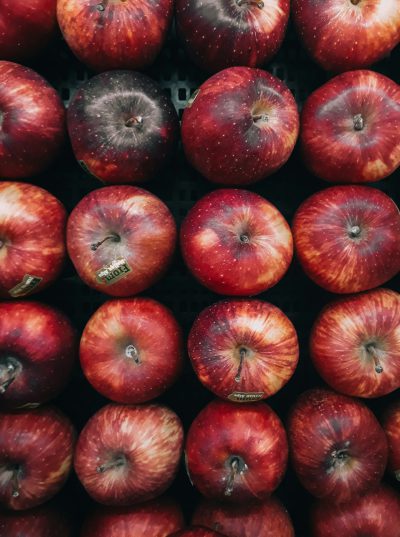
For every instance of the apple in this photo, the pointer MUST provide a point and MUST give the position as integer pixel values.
(391, 426)
(39, 522)
(221, 34)
(377, 514)
(156, 518)
(262, 519)
(121, 239)
(129, 454)
(240, 126)
(236, 243)
(348, 126)
(347, 238)
(26, 27)
(116, 34)
(38, 346)
(131, 350)
(243, 350)
(338, 449)
(32, 239)
(122, 127)
(36, 450)
(347, 34)
(236, 453)
(32, 121)
(196, 531)
(355, 344)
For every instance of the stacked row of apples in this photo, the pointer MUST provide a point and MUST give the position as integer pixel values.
(238, 128)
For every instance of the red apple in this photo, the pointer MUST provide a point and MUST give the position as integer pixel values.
(121, 239)
(196, 531)
(243, 350)
(221, 34)
(38, 346)
(129, 454)
(236, 452)
(265, 519)
(36, 449)
(391, 426)
(116, 34)
(39, 522)
(32, 239)
(347, 34)
(240, 126)
(122, 127)
(26, 27)
(377, 514)
(32, 121)
(347, 238)
(131, 350)
(338, 448)
(157, 518)
(236, 243)
(349, 128)
(355, 344)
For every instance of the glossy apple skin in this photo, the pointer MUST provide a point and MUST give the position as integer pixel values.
(39, 522)
(32, 122)
(32, 238)
(391, 426)
(355, 344)
(349, 128)
(264, 519)
(377, 514)
(196, 531)
(345, 34)
(36, 450)
(250, 436)
(346, 238)
(339, 450)
(141, 445)
(26, 28)
(131, 350)
(243, 350)
(241, 127)
(236, 243)
(222, 34)
(115, 35)
(38, 347)
(146, 231)
(157, 518)
(122, 127)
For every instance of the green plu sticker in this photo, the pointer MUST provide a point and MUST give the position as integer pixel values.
(26, 286)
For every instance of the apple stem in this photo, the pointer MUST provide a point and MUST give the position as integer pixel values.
(119, 461)
(243, 353)
(114, 238)
(260, 117)
(8, 373)
(372, 351)
(258, 3)
(132, 352)
(358, 120)
(135, 121)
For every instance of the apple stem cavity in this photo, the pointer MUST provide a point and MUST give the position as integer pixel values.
(236, 466)
(354, 232)
(243, 353)
(132, 352)
(397, 474)
(260, 117)
(355, 2)
(244, 239)
(16, 474)
(115, 463)
(258, 3)
(338, 457)
(135, 121)
(114, 238)
(374, 353)
(8, 373)
(358, 120)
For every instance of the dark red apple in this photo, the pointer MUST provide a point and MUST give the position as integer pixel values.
(196, 531)
(131, 350)
(262, 519)
(221, 34)
(122, 127)
(38, 346)
(236, 452)
(347, 238)
(347, 34)
(115, 34)
(355, 344)
(240, 126)
(243, 350)
(377, 514)
(349, 128)
(236, 243)
(39, 522)
(121, 239)
(157, 518)
(338, 449)
(129, 454)
(36, 449)
(32, 121)
(391, 426)
(26, 27)
(32, 239)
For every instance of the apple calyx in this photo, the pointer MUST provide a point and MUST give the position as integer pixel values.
(135, 121)
(236, 466)
(118, 461)
(258, 3)
(132, 352)
(9, 369)
(355, 2)
(338, 458)
(114, 237)
(358, 120)
(373, 352)
(244, 238)
(258, 118)
(242, 353)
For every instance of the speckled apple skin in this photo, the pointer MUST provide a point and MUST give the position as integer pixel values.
(391, 426)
